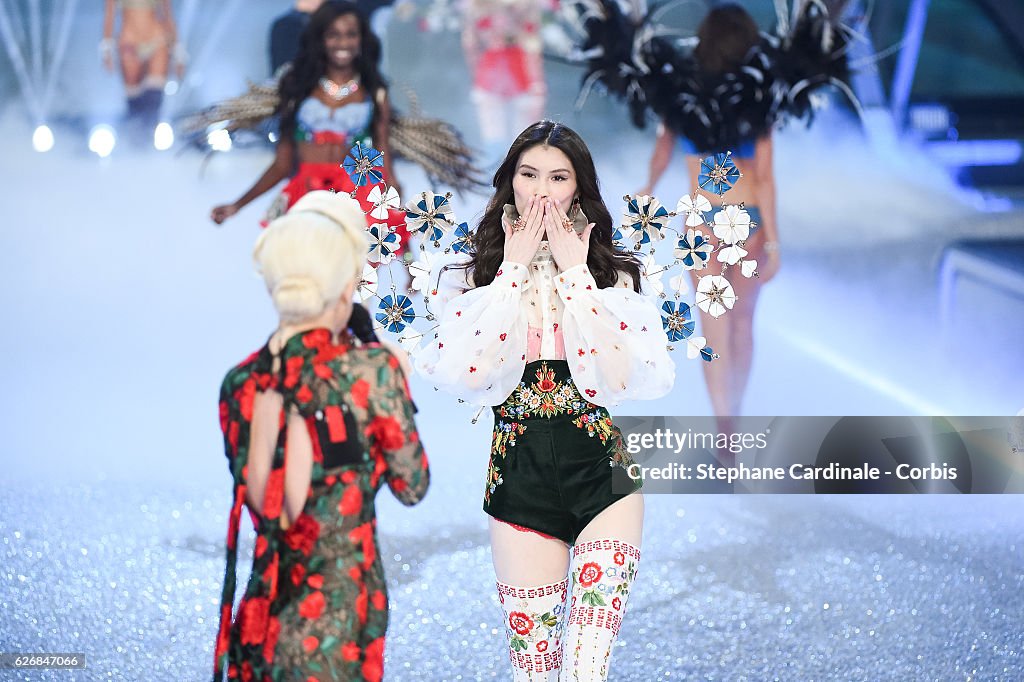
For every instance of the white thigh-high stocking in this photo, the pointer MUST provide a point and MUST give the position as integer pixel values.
(602, 575)
(534, 618)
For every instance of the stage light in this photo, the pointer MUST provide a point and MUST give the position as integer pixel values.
(163, 137)
(42, 139)
(102, 140)
(219, 140)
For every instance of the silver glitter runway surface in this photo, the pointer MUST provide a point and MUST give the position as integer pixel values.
(730, 588)
(123, 307)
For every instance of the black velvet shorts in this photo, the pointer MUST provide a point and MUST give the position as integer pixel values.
(557, 460)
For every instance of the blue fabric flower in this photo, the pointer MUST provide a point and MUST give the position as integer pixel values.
(395, 312)
(463, 239)
(643, 221)
(718, 173)
(361, 164)
(693, 250)
(430, 215)
(676, 320)
(383, 243)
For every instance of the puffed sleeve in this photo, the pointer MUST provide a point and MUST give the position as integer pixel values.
(613, 340)
(479, 347)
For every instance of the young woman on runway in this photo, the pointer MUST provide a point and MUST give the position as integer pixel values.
(315, 423)
(726, 36)
(545, 324)
(145, 47)
(332, 97)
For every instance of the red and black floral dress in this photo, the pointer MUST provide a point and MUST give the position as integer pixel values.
(316, 606)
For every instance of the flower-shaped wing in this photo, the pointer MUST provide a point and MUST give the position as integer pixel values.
(420, 270)
(732, 224)
(694, 345)
(718, 173)
(383, 243)
(644, 220)
(382, 199)
(715, 295)
(693, 207)
(676, 320)
(693, 250)
(395, 312)
(732, 254)
(362, 164)
(430, 215)
(367, 286)
(679, 284)
(463, 239)
(650, 274)
(749, 268)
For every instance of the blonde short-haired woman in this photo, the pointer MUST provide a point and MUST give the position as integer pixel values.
(314, 423)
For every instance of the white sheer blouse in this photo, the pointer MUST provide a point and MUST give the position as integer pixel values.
(612, 338)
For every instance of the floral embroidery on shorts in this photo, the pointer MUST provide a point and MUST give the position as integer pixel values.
(505, 434)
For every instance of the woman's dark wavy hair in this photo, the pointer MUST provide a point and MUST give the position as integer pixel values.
(603, 259)
(310, 63)
(726, 35)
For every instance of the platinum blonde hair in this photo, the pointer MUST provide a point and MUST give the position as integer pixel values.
(308, 256)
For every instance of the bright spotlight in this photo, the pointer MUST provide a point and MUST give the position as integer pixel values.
(163, 137)
(102, 140)
(219, 140)
(42, 139)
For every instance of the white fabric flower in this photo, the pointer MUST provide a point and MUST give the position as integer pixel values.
(694, 345)
(715, 295)
(731, 254)
(651, 277)
(748, 268)
(693, 208)
(382, 201)
(680, 284)
(732, 224)
(420, 270)
(367, 287)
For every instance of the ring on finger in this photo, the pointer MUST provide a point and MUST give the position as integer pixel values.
(519, 224)
(567, 224)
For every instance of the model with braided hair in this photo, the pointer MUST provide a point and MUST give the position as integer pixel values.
(332, 97)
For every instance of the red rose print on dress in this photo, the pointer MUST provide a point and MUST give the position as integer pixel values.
(520, 622)
(310, 644)
(350, 652)
(302, 536)
(387, 432)
(373, 666)
(360, 393)
(590, 574)
(312, 606)
(253, 617)
(351, 501)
